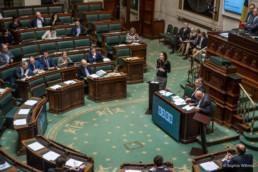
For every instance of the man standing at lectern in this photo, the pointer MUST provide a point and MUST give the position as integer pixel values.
(203, 107)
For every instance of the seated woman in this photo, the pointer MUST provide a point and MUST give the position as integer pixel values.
(132, 36)
(94, 56)
(50, 34)
(15, 24)
(6, 37)
(55, 20)
(63, 60)
(202, 43)
(183, 45)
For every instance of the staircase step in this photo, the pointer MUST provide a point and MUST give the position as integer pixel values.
(255, 128)
(250, 144)
(251, 137)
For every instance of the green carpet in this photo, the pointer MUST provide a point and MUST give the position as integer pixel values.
(118, 131)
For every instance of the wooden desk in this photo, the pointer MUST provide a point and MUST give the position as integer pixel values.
(107, 88)
(105, 35)
(67, 97)
(36, 160)
(175, 121)
(133, 67)
(215, 157)
(15, 165)
(36, 122)
(138, 50)
(143, 166)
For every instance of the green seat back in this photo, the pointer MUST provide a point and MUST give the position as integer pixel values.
(25, 23)
(30, 50)
(82, 43)
(76, 57)
(123, 52)
(111, 41)
(55, 9)
(104, 17)
(83, 7)
(6, 76)
(6, 104)
(38, 87)
(213, 107)
(26, 36)
(48, 21)
(16, 52)
(36, 82)
(122, 39)
(91, 18)
(75, 1)
(55, 60)
(114, 27)
(51, 47)
(188, 91)
(61, 32)
(42, 10)
(105, 68)
(102, 28)
(95, 7)
(6, 24)
(53, 79)
(66, 19)
(10, 13)
(68, 31)
(25, 11)
(39, 33)
(65, 45)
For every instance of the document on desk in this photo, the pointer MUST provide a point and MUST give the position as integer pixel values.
(18, 122)
(94, 76)
(187, 107)
(209, 166)
(56, 87)
(178, 100)
(23, 111)
(5, 166)
(30, 102)
(2, 90)
(51, 156)
(69, 82)
(36, 146)
(133, 171)
(73, 163)
(165, 93)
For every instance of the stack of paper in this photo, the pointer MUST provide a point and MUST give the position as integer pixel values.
(187, 107)
(23, 111)
(18, 122)
(56, 87)
(209, 166)
(165, 93)
(36, 146)
(73, 163)
(30, 102)
(69, 82)
(178, 100)
(5, 166)
(51, 156)
(106, 60)
(94, 76)
(2, 90)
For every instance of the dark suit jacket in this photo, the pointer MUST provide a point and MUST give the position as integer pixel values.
(62, 170)
(81, 72)
(43, 63)
(160, 170)
(74, 30)
(237, 161)
(36, 66)
(34, 22)
(205, 105)
(184, 34)
(90, 58)
(253, 28)
(193, 98)
(17, 75)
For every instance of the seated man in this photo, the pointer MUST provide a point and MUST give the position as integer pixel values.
(94, 56)
(239, 163)
(252, 28)
(198, 86)
(158, 161)
(34, 66)
(60, 166)
(6, 57)
(83, 71)
(204, 103)
(78, 29)
(46, 62)
(38, 21)
(20, 72)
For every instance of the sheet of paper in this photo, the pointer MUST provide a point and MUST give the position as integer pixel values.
(133, 171)
(94, 76)
(18, 122)
(209, 166)
(187, 107)
(55, 86)
(30, 102)
(2, 90)
(51, 156)
(69, 82)
(106, 60)
(73, 163)
(5, 166)
(178, 100)
(23, 111)
(36, 146)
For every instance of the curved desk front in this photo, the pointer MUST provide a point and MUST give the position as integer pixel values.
(42, 152)
(143, 166)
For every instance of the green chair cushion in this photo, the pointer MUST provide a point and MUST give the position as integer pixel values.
(124, 52)
(5, 100)
(66, 19)
(65, 45)
(95, 7)
(76, 57)
(55, 9)
(82, 43)
(104, 17)
(122, 39)
(10, 13)
(37, 82)
(30, 50)
(39, 33)
(61, 32)
(42, 10)
(114, 27)
(25, 36)
(25, 11)
(7, 74)
(48, 47)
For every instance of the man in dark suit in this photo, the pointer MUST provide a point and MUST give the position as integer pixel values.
(198, 86)
(20, 72)
(253, 27)
(82, 72)
(94, 56)
(78, 29)
(250, 15)
(158, 161)
(46, 62)
(241, 162)
(38, 21)
(60, 166)
(34, 66)
(183, 34)
(6, 57)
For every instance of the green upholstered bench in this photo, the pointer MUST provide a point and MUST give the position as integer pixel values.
(37, 87)
(5, 77)
(53, 79)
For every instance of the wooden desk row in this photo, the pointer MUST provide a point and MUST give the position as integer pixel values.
(144, 166)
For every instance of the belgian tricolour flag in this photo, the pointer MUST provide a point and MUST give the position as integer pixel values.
(244, 15)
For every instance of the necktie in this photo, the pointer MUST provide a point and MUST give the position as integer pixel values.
(87, 72)
(47, 63)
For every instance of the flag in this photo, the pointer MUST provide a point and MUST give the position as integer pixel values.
(243, 15)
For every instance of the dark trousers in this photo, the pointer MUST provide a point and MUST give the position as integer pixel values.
(203, 137)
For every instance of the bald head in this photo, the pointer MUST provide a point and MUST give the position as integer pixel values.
(84, 63)
(240, 148)
(198, 94)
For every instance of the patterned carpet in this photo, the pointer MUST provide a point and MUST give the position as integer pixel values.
(119, 131)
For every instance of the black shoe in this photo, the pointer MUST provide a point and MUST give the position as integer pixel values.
(171, 52)
(185, 58)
